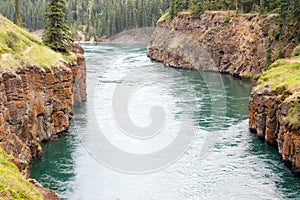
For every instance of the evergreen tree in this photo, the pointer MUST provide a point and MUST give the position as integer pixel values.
(172, 8)
(295, 19)
(101, 18)
(17, 17)
(57, 33)
(196, 7)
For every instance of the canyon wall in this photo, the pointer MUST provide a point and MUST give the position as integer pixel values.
(216, 42)
(274, 110)
(268, 113)
(237, 46)
(36, 105)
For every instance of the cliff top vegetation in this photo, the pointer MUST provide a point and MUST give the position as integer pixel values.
(282, 77)
(18, 48)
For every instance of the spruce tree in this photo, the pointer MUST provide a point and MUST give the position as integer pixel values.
(57, 33)
(17, 17)
(295, 19)
(172, 9)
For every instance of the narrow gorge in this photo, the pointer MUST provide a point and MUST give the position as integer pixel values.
(222, 42)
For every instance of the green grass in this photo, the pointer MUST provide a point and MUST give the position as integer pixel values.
(13, 185)
(15, 40)
(281, 76)
(10, 63)
(165, 17)
(44, 57)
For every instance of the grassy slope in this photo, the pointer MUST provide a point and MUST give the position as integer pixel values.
(12, 184)
(15, 43)
(284, 77)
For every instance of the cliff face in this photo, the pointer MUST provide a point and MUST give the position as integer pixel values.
(210, 43)
(38, 90)
(274, 111)
(36, 105)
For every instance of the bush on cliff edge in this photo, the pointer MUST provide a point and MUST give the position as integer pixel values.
(296, 51)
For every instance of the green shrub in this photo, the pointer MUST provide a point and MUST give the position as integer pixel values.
(227, 17)
(292, 116)
(296, 51)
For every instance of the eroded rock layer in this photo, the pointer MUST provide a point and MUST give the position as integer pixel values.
(36, 105)
(235, 45)
(270, 114)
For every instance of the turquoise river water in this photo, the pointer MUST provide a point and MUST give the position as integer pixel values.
(223, 161)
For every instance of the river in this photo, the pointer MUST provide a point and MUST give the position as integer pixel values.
(215, 156)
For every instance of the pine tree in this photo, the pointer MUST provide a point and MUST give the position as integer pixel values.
(196, 7)
(295, 19)
(172, 9)
(57, 33)
(17, 17)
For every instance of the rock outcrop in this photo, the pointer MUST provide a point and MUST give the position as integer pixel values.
(36, 105)
(234, 45)
(274, 111)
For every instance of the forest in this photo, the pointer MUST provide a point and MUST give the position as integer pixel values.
(93, 18)
(98, 18)
(287, 10)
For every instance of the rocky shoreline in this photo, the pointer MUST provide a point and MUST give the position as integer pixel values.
(237, 47)
(268, 112)
(38, 90)
(36, 105)
(274, 111)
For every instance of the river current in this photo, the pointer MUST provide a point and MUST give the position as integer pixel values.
(222, 159)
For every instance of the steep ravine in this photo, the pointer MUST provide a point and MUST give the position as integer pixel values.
(238, 47)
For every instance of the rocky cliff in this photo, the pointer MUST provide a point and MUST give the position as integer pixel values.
(38, 90)
(274, 110)
(217, 42)
(36, 105)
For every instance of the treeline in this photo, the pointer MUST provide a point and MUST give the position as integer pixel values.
(287, 10)
(93, 18)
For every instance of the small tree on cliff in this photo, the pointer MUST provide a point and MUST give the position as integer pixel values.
(57, 33)
(17, 17)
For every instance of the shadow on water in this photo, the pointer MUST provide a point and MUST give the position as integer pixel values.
(287, 185)
(234, 104)
(56, 169)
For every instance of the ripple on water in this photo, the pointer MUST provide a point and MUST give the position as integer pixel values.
(237, 166)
